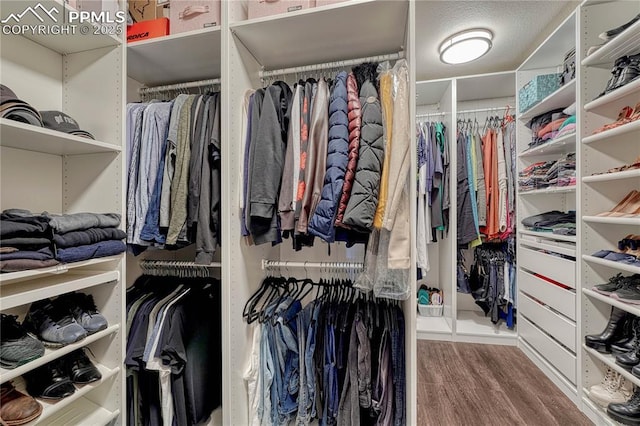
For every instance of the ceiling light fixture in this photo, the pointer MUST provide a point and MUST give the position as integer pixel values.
(465, 46)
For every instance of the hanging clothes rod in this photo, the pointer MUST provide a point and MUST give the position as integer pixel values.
(178, 86)
(469, 111)
(176, 263)
(329, 65)
(272, 264)
(430, 114)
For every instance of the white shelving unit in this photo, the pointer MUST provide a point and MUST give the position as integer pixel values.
(44, 170)
(548, 290)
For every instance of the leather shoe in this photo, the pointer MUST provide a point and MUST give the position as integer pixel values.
(49, 381)
(627, 413)
(613, 332)
(17, 408)
(80, 368)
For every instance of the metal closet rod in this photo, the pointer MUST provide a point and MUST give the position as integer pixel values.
(269, 264)
(430, 114)
(329, 65)
(467, 111)
(148, 263)
(177, 86)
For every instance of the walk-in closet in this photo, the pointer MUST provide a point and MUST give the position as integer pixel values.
(335, 212)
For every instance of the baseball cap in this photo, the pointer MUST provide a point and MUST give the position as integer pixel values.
(16, 109)
(57, 120)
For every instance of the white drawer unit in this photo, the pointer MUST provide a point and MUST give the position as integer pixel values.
(560, 299)
(554, 267)
(557, 326)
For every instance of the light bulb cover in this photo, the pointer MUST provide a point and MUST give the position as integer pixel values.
(465, 46)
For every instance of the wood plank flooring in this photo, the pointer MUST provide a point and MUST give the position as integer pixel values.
(471, 384)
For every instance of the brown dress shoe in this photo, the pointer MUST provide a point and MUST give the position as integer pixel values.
(17, 408)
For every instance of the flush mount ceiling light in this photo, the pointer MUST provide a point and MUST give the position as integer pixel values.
(465, 46)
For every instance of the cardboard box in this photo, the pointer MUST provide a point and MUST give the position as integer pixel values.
(146, 10)
(189, 15)
(260, 8)
(147, 29)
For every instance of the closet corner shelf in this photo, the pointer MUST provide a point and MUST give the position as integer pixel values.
(30, 274)
(74, 42)
(613, 220)
(432, 325)
(33, 138)
(610, 361)
(554, 190)
(474, 323)
(615, 132)
(611, 264)
(628, 90)
(25, 292)
(607, 177)
(53, 354)
(560, 145)
(305, 40)
(51, 408)
(189, 56)
(627, 307)
(596, 410)
(627, 43)
(83, 413)
(561, 98)
(549, 235)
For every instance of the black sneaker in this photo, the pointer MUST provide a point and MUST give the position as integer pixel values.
(16, 346)
(629, 292)
(53, 324)
(615, 283)
(80, 369)
(49, 381)
(84, 311)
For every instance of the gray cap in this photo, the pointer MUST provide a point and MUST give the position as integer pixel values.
(16, 109)
(57, 120)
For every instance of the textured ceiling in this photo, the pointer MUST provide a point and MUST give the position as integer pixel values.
(518, 28)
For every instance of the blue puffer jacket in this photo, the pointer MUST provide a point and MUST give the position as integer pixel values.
(321, 223)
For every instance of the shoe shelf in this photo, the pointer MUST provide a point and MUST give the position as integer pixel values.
(26, 292)
(50, 408)
(553, 190)
(53, 354)
(188, 56)
(549, 235)
(626, 43)
(596, 411)
(613, 220)
(628, 307)
(633, 126)
(84, 413)
(561, 98)
(611, 264)
(627, 91)
(610, 361)
(560, 145)
(62, 268)
(33, 138)
(606, 177)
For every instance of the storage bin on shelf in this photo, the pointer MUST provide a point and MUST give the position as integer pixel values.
(537, 89)
(189, 15)
(430, 310)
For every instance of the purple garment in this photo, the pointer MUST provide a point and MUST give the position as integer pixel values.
(91, 251)
(245, 171)
(42, 254)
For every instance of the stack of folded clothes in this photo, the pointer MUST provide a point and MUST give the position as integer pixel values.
(25, 241)
(535, 176)
(545, 127)
(563, 171)
(82, 236)
(553, 221)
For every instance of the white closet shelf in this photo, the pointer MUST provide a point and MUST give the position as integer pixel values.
(189, 56)
(50, 408)
(561, 98)
(474, 323)
(611, 264)
(53, 354)
(626, 43)
(305, 42)
(627, 307)
(23, 293)
(54, 270)
(610, 361)
(553, 190)
(596, 411)
(612, 133)
(566, 143)
(607, 177)
(33, 138)
(549, 235)
(74, 42)
(613, 220)
(629, 90)
(83, 413)
(432, 325)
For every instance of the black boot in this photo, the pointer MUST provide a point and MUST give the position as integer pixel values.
(627, 413)
(613, 331)
(626, 344)
(631, 359)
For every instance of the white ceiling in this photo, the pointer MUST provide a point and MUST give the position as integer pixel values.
(518, 28)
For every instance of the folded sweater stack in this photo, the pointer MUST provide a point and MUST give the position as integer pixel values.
(25, 241)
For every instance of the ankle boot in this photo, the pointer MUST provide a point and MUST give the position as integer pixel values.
(612, 332)
(627, 413)
(626, 344)
(631, 359)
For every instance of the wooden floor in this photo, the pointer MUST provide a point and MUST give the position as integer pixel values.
(470, 384)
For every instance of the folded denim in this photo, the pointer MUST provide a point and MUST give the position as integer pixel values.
(16, 265)
(601, 253)
(89, 236)
(42, 254)
(91, 251)
(81, 221)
